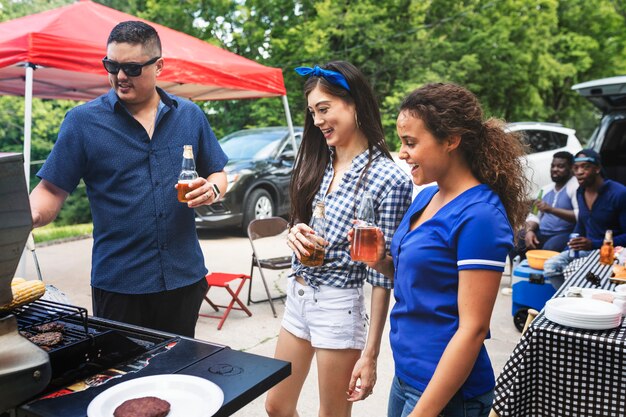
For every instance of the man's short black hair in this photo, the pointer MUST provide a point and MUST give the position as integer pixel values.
(136, 33)
(565, 155)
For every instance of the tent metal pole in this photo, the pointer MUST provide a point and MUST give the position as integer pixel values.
(292, 133)
(28, 117)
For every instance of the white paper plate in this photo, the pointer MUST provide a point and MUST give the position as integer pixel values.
(583, 313)
(189, 396)
(584, 307)
(583, 325)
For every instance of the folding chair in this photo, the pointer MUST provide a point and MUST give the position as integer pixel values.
(260, 229)
(220, 279)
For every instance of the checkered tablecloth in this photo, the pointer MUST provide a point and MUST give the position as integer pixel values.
(560, 371)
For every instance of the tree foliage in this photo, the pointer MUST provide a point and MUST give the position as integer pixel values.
(521, 57)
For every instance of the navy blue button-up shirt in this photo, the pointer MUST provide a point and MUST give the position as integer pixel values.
(607, 212)
(145, 241)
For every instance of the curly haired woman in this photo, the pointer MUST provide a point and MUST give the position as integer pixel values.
(448, 254)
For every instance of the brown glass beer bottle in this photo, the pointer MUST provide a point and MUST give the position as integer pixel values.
(187, 174)
(606, 251)
(318, 224)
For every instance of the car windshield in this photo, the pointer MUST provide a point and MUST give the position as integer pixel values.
(251, 145)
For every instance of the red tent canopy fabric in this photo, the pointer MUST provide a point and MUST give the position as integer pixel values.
(67, 45)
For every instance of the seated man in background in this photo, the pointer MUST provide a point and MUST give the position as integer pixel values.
(602, 206)
(557, 210)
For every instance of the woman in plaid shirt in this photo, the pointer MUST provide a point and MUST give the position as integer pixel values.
(343, 154)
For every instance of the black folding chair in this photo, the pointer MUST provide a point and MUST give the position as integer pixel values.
(260, 229)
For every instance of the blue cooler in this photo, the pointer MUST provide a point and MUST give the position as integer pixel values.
(530, 290)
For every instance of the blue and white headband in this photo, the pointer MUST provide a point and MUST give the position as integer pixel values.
(333, 77)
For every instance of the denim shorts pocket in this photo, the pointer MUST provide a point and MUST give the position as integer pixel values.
(479, 406)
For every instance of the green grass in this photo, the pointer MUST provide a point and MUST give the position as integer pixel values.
(52, 232)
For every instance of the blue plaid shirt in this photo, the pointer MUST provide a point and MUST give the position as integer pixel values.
(391, 189)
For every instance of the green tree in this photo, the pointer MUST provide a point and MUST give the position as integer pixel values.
(11, 9)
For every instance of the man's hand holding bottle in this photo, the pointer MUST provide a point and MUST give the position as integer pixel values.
(198, 192)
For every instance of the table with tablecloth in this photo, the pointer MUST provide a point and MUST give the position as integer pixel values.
(561, 371)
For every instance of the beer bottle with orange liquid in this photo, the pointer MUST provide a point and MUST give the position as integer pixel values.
(607, 255)
(187, 174)
(365, 239)
(318, 224)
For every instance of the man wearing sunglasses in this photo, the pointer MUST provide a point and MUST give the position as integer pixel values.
(601, 205)
(127, 146)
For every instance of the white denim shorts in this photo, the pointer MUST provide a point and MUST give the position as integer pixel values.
(328, 317)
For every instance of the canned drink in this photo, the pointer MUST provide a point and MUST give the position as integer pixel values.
(573, 253)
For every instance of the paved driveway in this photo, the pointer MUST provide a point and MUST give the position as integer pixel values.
(67, 266)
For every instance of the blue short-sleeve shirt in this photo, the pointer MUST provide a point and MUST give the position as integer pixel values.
(145, 241)
(470, 232)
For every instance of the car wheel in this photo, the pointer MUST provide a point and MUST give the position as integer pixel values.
(259, 205)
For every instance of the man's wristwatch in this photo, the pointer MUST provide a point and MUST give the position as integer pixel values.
(216, 192)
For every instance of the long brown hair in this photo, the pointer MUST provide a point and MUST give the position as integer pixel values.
(314, 155)
(494, 155)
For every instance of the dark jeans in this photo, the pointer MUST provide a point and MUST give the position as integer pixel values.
(174, 311)
(556, 243)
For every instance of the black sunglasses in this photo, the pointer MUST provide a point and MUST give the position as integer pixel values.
(130, 69)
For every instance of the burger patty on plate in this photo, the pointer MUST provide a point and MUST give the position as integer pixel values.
(143, 407)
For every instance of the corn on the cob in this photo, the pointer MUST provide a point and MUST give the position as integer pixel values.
(17, 281)
(25, 292)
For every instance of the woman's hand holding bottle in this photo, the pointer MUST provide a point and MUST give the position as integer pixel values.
(381, 250)
(303, 240)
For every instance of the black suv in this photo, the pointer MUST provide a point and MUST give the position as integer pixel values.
(259, 168)
(609, 138)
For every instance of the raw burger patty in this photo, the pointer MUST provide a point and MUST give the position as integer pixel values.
(47, 338)
(143, 407)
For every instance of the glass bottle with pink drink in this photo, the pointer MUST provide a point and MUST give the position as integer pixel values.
(365, 239)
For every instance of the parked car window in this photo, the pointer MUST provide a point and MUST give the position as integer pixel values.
(259, 168)
(617, 100)
(613, 150)
(288, 147)
(543, 140)
(254, 146)
(615, 137)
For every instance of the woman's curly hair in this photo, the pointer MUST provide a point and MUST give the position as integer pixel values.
(494, 155)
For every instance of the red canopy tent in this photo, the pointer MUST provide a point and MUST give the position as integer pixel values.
(57, 54)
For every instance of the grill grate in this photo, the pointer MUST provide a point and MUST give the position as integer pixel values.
(41, 312)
